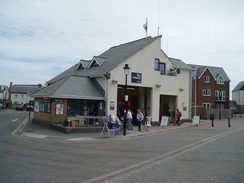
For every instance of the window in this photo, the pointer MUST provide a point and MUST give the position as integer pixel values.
(81, 67)
(94, 63)
(206, 105)
(15, 95)
(206, 92)
(206, 79)
(217, 95)
(159, 66)
(84, 108)
(220, 96)
(22, 96)
(220, 80)
(44, 107)
(156, 64)
(162, 68)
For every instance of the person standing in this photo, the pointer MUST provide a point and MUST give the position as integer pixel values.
(129, 118)
(178, 116)
(139, 118)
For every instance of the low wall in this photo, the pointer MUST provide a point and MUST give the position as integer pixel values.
(65, 128)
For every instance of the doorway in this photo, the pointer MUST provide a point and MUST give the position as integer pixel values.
(138, 98)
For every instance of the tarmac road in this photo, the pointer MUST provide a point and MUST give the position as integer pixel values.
(177, 154)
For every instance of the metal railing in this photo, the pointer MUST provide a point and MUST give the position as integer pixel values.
(87, 121)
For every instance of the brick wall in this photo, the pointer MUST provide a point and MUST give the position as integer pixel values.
(213, 86)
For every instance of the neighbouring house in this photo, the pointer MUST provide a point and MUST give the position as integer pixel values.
(210, 88)
(20, 94)
(4, 95)
(94, 89)
(238, 96)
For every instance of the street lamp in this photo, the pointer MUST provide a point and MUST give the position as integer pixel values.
(126, 72)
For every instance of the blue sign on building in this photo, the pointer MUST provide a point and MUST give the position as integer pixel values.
(136, 77)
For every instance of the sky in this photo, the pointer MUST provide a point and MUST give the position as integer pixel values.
(39, 39)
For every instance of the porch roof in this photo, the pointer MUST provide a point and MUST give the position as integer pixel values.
(73, 87)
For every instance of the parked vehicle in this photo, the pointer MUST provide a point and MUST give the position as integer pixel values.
(29, 108)
(20, 108)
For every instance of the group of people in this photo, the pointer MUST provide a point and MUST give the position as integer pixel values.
(140, 118)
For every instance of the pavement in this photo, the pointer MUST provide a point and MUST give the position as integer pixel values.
(28, 130)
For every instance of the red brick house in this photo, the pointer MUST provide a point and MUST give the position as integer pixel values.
(212, 87)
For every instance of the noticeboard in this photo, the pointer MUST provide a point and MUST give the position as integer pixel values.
(136, 77)
(196, 120)
(164, 121)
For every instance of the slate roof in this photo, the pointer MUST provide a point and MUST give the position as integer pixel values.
(76, 82)
(239, 87)
(72, 87)
(180, 64)
(109, 59)
(25, 89)
(215, 71)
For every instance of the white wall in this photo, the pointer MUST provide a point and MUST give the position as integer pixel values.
(238, 96)
(143, 62)
(20, 98)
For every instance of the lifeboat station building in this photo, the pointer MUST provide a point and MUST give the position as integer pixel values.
(91, 90)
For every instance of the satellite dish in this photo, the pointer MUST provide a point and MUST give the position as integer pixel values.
(178, 71)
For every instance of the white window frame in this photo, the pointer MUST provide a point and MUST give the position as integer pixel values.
(206, 105)
(206, 79)
(206, 92)
(223, 94)
(220, 80)
(156, 64)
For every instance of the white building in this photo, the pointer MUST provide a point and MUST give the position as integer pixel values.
(97, 86)
(238, 93)
(20, 94)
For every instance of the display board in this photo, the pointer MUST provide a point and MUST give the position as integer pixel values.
(164, 121)
(196, 120)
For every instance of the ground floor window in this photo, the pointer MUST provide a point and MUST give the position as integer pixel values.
(45, 107)
(206, 105)
(85, 108)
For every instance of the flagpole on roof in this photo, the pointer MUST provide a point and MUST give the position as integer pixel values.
(145, 27)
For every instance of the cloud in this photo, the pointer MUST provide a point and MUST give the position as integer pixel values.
(29, 72)
(48, 36)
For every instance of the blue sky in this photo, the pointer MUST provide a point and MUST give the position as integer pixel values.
(41, 38)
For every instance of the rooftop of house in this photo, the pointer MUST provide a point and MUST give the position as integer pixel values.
(215, 71)
(239, 87)
(25, 89)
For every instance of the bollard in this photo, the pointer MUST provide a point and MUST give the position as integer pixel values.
(212, 118)
(229, 122)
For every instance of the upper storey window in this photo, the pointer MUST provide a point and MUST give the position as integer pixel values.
(206, 79)
(159, 66)
(94, 63)
(220, 80)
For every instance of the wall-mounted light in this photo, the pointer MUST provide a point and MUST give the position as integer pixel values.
(157, 86)
(114, 82)
(181, 89)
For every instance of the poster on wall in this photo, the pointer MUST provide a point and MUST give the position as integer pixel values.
(136, 77)
(59, 109)
(112, 105)
(36, 106)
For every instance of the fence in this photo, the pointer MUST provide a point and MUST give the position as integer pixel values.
(218, 113)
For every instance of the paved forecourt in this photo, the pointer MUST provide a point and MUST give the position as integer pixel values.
(215, 159)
